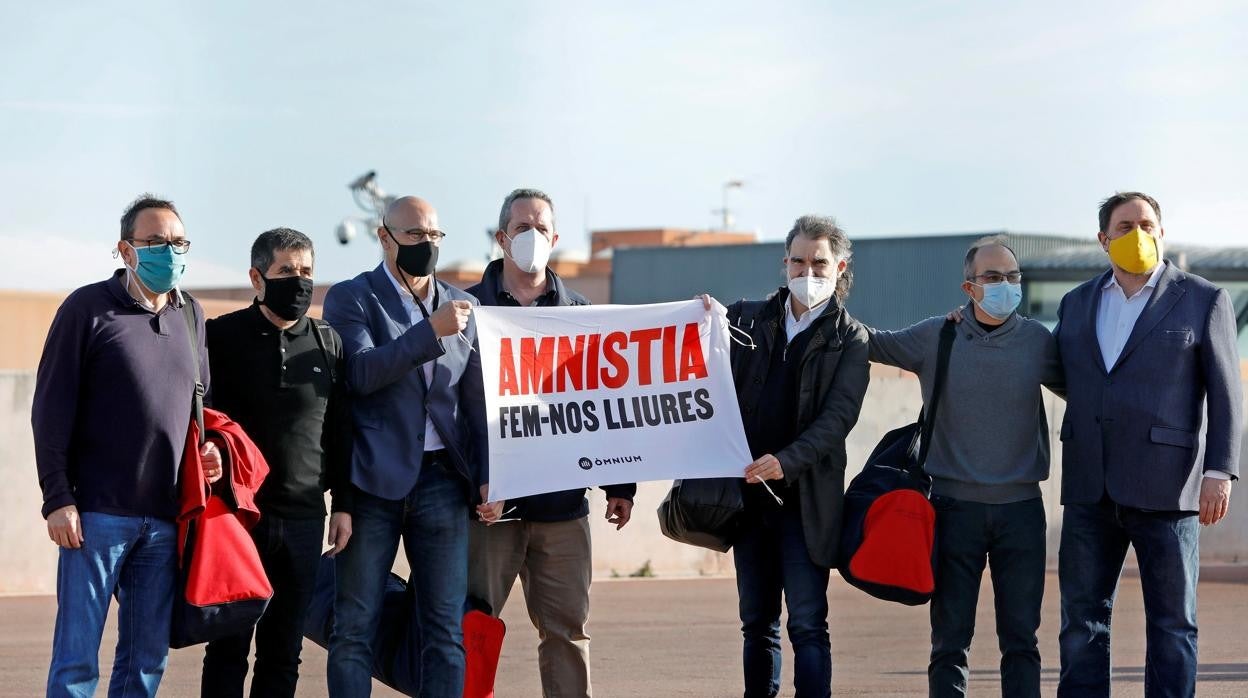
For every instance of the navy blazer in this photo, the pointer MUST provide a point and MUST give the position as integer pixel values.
(1133, 430)
(384, 353)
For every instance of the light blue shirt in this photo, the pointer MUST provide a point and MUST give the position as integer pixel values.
(1118, 314)
(433, 441)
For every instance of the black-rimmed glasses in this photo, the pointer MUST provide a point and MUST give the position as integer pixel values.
(996, 277)
(416, 234)
(180, 245)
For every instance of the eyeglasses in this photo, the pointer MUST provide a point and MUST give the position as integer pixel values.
(996, 277)
(416, 234)
(180, 245)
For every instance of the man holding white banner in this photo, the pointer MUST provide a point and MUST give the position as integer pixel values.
(546, 540)
(800, 383)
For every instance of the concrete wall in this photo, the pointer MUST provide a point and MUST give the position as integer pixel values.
(26, 316)
(28, 558)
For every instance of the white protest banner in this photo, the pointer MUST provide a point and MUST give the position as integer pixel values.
(600, 395)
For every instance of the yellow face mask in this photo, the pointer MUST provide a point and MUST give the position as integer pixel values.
(1135, 252)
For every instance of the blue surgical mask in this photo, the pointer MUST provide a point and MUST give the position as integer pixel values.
(159, 267)
(1000, 299)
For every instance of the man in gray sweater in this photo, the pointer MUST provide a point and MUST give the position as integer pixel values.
(989, 452)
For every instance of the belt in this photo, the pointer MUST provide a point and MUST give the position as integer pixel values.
(434, 456)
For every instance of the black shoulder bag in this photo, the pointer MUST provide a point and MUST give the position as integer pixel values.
(887, 545)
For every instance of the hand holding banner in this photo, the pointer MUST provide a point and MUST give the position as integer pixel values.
(598, 395)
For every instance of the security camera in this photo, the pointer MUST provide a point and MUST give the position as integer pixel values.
(347, 230)
(363, 180)
(354, 226)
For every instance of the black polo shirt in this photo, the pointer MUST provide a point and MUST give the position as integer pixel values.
(289, 395)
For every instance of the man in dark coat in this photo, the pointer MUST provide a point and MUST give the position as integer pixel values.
(1150, 444)
(800, 384)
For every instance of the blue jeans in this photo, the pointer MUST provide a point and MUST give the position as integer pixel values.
(1010, 539)
(1094, 544)
(290, 550)
(771, 559)
(133, 558)
(433, 523)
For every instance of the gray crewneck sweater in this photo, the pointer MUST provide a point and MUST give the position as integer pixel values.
(990, 443)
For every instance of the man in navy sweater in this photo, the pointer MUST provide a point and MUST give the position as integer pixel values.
(111, 409)
(547, 545)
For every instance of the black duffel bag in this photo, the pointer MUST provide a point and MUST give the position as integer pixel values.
(888, 533)
(705, 512)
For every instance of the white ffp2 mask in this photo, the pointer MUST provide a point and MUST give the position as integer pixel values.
(530, 250)
(810, 291)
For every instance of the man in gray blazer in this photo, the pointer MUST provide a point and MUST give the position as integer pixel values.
(1149, 353)
(419, 450)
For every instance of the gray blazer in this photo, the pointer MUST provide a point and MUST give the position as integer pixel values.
(1135, 431)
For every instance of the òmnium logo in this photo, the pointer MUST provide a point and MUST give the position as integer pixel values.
(587, 463)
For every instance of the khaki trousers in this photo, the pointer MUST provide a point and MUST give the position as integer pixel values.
(554, 565)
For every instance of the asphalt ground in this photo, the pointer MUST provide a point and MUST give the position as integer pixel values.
(656, 637)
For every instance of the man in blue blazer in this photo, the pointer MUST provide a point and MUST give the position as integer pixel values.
(420, 450)
(1149, 353)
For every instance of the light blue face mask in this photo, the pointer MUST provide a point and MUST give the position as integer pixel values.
(159, 267)
(1000, 299)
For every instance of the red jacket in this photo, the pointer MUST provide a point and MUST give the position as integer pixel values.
(243, 463)
(223, 586)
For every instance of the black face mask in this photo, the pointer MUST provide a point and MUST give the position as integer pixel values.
(417, 260)
(288, 297)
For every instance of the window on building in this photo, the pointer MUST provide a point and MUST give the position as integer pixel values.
(1239, 299)
(1042, 298)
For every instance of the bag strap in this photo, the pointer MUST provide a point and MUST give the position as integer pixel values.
(192, 336)
(747, 313)
(947, 333)
(320, 342)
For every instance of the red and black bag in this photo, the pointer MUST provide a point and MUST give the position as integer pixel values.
(483, 646)
(397, 643)
(221, 586)
(888, 538)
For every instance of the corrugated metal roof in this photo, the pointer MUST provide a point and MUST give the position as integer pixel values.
(897, 280)
(1090, 257)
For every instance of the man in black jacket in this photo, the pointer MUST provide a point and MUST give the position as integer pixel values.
(547, 543)
(279, 374)
(800, 386)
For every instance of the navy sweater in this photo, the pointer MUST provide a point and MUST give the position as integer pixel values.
(113, 402)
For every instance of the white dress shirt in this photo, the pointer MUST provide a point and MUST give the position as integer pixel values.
(1117, 317)
(433, 441)
(794, 325)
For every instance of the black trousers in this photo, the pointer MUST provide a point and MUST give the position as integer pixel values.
(289, 550)
(1010, 540)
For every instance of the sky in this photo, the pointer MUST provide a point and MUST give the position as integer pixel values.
(898, 118)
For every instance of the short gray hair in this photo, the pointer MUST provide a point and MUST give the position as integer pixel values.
(968, 264)
(264, 249)
(825, 228)
(504, 215)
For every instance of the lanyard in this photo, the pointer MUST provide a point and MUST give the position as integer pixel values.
(419, 303)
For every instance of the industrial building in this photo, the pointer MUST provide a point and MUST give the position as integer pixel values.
(901, 280)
